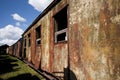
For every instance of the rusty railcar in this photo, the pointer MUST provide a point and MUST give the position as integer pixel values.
(76, 40)
(16, 49)
(45, 42)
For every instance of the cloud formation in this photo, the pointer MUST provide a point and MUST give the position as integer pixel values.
(39, 5)
(17, 17)
(18, 24)
(10, 34)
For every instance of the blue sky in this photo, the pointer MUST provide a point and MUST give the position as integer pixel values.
(16, 16)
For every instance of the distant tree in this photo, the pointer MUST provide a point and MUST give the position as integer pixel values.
(3, 49)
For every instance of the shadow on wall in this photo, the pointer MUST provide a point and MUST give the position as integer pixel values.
(69, 75)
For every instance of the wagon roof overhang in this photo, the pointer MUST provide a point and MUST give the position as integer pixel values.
(51, 5)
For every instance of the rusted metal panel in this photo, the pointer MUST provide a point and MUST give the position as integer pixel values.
(51, 43)
(59, 6)
(38, 57)
(94, 40)
(60, 58)
(93, 47)
(29, 54)
(43, 56)
(33, 45)
(45, 61)
(10, 50)
(56, 49)
(18, 48)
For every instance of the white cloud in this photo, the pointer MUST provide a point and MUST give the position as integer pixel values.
(1, 44)
(8, 41)
(17, 23)
(10, 34)
(39, 5)
(17, 17)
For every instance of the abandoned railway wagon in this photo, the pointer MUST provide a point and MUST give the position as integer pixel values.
(75, 40)
(16, 49)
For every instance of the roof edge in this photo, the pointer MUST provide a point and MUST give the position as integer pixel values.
(52, 4)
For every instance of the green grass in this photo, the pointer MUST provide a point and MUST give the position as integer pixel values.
(12, 68)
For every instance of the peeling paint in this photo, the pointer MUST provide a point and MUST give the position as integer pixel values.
(93, 46)
(115, 19)
(96, 24)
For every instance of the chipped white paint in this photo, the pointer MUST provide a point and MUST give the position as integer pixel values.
(115, 19)
(73, 18)
(96, 32)
(84, 9)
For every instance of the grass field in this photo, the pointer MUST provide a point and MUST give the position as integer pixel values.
(12, 68)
